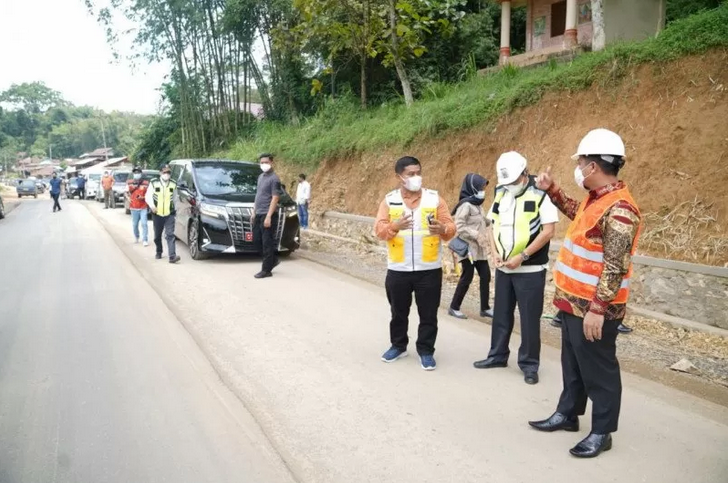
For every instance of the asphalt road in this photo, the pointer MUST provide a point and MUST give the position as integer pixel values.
(98, 380)
(301, 351)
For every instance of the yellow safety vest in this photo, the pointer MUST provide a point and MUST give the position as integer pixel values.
(164, 197)
(526, 225)
(414, 250)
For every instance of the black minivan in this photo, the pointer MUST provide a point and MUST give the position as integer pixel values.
(214, 204)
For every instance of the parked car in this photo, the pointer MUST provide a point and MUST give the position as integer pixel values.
(41, 186)
(2, 207)
(147, 174)
(72, 188)
(27, 187)
(214, 203)
(120, 187)
(93, 185)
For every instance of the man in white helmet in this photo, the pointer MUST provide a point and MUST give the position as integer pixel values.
(592, 276)
(523, 223)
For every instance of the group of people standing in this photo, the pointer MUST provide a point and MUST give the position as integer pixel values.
(591, 274)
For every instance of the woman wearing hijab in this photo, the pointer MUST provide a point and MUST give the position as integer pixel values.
(471, 226)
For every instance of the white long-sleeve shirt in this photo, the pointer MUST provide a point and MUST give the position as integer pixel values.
(303, 192)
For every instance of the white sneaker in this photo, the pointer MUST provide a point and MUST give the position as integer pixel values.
(146, 243)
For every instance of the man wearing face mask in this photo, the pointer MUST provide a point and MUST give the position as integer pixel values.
(523, 223)
(160, 199)
(265, 222)
(414, 222)
(592, 277)
(137, 205)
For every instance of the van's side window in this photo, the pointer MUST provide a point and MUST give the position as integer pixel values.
(187, 178)
(176, 171)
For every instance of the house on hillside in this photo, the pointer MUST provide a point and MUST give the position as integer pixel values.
(103, 153)
(557, 28)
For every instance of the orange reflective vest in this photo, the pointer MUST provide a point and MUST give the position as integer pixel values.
(581, 261)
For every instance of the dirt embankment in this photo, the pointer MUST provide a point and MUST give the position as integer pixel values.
(673, 117)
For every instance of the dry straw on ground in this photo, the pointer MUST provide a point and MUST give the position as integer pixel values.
(688, 231)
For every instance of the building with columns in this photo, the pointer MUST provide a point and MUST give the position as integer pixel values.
(560, 27)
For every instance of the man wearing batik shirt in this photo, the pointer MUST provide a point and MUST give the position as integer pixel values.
(592, 276)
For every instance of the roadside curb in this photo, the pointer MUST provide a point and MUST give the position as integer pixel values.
(677, 322)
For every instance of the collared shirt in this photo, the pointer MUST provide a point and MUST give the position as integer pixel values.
(383, 227)
(616, 232)
(547, 211)
(107, 182)
(303, 192)
(269, 185)
(149, 195)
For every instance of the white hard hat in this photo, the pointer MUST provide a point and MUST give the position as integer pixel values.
(509, 167)
(600, 142)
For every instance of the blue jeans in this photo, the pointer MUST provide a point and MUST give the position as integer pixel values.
(303, 215)
(136, 217)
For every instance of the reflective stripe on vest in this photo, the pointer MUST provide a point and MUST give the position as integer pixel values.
(527, 222)
(581, 261)
(414, 250)
(164, 197)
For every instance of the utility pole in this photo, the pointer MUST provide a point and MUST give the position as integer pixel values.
(103, 133)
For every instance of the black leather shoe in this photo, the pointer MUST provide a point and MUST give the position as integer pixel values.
(531, 377)
(556, 422)
(158, 256)
(489, 363)
(592, 445)
(623, 329)
(174, 259)
(263, 275)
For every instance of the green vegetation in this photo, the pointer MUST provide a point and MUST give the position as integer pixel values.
(342, 128)
(36, 120)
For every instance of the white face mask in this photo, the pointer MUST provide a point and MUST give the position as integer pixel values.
(515, 189)
(480, 195)
(579, 177)
(265, 167)
(137, 176)
(166, 177)
(413, 183)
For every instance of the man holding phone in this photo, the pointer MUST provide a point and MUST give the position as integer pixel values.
(414, 222)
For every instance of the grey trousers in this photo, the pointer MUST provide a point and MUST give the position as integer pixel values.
(164, 224)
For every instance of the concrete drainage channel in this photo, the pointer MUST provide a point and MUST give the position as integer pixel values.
(696, 296)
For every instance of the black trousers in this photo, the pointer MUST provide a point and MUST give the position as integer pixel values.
(164, 225)
(265, 241)
(82, 194)
(466, 279)
(56, 204)
(527, 291)
(427, 287)
(590, 369)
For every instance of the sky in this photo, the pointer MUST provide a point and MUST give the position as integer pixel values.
(59, 43)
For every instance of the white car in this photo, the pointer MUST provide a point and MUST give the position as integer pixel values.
(93, 185)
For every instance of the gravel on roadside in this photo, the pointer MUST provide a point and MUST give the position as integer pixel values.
(650, 350)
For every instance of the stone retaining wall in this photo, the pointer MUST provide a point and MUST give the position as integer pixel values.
(692, 296)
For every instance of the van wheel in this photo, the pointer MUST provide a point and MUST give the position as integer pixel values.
(193, 241)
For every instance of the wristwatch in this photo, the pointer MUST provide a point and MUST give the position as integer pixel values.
(525, 256)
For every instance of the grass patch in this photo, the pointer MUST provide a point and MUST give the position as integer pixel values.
(341, 128)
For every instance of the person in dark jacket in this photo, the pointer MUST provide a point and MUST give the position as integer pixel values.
(81, 183)
(55, 192)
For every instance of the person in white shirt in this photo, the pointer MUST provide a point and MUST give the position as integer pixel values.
(523, 223)
(303, 197)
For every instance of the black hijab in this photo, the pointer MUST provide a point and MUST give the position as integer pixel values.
(472, 184)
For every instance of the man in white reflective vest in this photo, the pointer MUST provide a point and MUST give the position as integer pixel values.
(523, 223)
(160, 199)
(415, 222)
